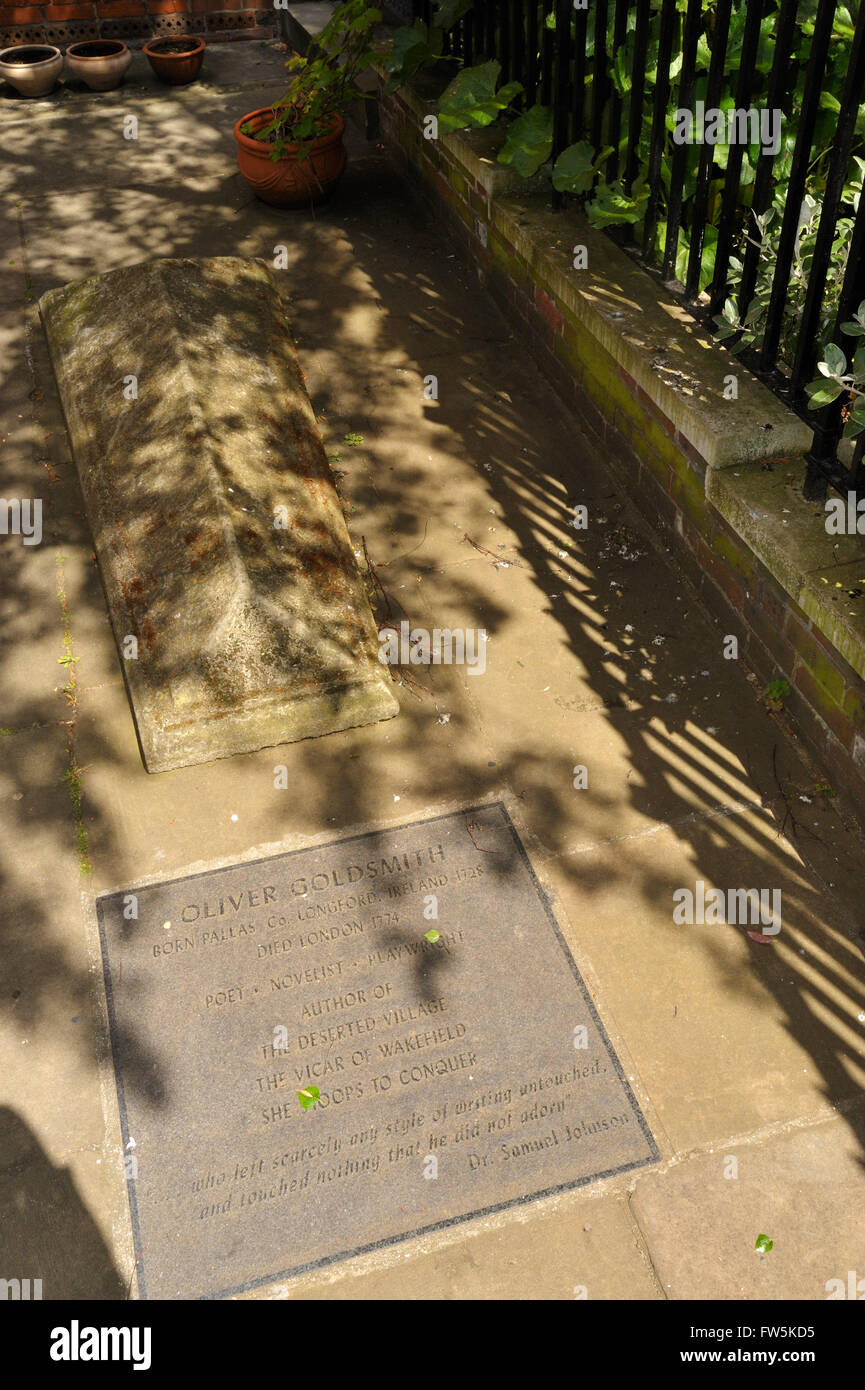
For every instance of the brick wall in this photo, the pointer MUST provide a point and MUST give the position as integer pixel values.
(656, 465)
(132, 20)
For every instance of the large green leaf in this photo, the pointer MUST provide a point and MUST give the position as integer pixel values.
(856, 422)
(823, 393)
(412, 46)
(577, 167)
(448, 12)
(529, 142)
(611, 206)
(472, 99)
(834, 361)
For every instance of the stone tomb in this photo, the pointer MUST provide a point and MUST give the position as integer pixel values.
(456, 1078)
(234, 594)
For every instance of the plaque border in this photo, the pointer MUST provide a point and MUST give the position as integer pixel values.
(294, 1271)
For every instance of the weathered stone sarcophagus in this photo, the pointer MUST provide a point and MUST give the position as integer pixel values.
(235, 597)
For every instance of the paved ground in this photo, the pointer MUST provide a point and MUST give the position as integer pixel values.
(598, 655)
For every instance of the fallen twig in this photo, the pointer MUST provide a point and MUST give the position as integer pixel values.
(376, 581)
(482, 548)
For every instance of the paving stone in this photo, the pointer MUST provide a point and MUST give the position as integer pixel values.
(60, 1187)
(563, 1250)
(728, 1035)
(804, 1189)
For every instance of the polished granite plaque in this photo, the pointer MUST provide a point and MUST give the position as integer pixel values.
(455, 1076)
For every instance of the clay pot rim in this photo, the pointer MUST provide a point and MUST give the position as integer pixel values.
(331, 137)
(9, 62)
(150, 49)
(117, 50)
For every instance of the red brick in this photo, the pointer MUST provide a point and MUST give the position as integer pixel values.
(662, 509)
(62, 14)
(121, 9)
(854, 704)
(760, 638)
(797, 630)
(663, 420)
(444, 189)
(692, 537)
(814, 695)
(598, 427)
(554, 316)
(30, 15)
(479, 204)
(689, 451)
(721, 575)
(166, 6)
(230, 35)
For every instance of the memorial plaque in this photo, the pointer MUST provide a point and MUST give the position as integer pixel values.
(456, 1077)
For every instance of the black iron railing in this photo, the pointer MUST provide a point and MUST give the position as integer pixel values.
(727, 236)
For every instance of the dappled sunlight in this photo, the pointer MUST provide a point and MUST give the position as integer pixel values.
(599, 654)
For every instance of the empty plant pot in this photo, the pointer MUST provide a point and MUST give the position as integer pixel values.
(32, 68)
(101, 63)
(176, 61)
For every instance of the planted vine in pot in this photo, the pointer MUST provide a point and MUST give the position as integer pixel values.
(292, 153)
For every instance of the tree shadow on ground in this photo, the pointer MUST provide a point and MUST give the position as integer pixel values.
(380, 303)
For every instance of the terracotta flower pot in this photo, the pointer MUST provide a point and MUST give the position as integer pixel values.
(101, 63)
(289, 182)
(176, 61)
(31, 68)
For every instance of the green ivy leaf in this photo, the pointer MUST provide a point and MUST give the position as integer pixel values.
(764, 1244)
(431, 935)
(529, 141)
(308, 1097)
